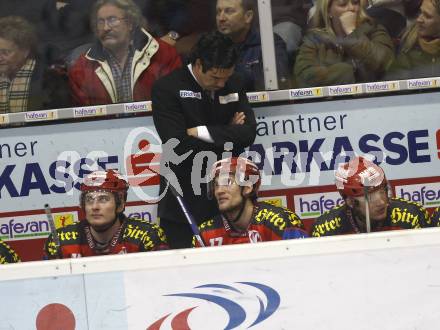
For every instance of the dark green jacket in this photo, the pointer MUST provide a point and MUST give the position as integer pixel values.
(325, 59)
(414, 63)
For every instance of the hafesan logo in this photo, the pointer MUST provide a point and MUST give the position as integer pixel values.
(309, 206)
(427, 194)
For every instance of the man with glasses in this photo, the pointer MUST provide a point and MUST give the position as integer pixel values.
(234, 184)
(124, 62)
(368, 205)
(105, 229)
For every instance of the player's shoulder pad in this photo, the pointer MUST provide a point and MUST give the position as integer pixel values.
(139, 231)
(409, 205)
(69, 233)
(273, 216)
(330, 222)
(335, 212)
(7, 254)
(70, 227)
(435, 218)
(402, 208)
(4, 245)
(266, 211)
(286, 213)
(141, 224)
(404, 202)
(207, 224)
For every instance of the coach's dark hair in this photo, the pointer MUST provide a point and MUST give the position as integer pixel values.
(214, 50)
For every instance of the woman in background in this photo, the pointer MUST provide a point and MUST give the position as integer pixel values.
(419, 53)
(344, 45)
(25, 82)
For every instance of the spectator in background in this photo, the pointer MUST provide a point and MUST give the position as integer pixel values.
(234, 183)
(412, 9)
(180, 22)
(36, 12)
(290, 21)
(24, 78)
(419, 53)
(60, 25)
(32, 10)
(202, 106)
(368, 206)
(343, 46)
(390, 14)
(106, 229)
(125, 61)
(7, 255)
(235, 18)
(68, 29)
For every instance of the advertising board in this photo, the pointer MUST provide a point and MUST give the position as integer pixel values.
(297, 149)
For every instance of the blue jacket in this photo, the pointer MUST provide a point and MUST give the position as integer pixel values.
(250, 62)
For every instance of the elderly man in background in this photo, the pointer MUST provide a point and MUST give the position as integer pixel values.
(124, 62)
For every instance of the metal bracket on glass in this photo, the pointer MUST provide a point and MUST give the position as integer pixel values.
(267, 44)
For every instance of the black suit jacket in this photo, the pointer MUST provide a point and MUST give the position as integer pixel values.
(180, 103)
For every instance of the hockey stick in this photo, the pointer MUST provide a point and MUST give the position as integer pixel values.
(188, 216)
(53, 229)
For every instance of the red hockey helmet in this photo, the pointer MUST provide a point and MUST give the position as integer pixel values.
(245, 171)
(109, 180)
(358, 173)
